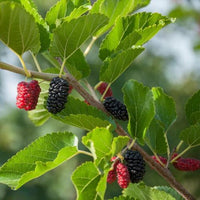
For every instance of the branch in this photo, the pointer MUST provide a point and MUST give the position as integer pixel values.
(164, 172)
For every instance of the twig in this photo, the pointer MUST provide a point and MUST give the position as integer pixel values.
(165, 173)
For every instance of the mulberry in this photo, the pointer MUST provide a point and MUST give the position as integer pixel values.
(102, 87)
(58, 92)
(116, 108)
(27, 95)
(135, 164)
(112, 176)
(123, 177)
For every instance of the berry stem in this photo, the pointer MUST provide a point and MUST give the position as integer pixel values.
(27, 73)
(36, 62)
(102, 97)
(168, 149)
(87, 50)
(179, 145)
(62, 67)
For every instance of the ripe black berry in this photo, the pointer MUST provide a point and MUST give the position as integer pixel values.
(136, 165)
(58, 92)
(116, 108)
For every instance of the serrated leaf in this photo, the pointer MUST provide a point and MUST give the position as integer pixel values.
(114, 9)
(143, 192)
(69, 36)
(132, 30)
(77, 65)
(192, 108)
(139, 102)
(170, 191)
(78, 113)
(39, 157)
(18, 28)
(114, 67)
(191, 135)
(85, 179)
(165, 108)
(155, 137)
(118, 144)
(99, 142)
(40, 115)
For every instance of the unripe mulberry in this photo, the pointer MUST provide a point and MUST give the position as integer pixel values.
(27, 95)
(136, 165)
(123, 177)
(102, 87)
(162, 159)
(58, 92)
(112, 176)
(116, 108)
(187, 164)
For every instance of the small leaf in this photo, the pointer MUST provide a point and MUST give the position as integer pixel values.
(114, 67)
(69, 36)
(78, 113)
(85, 179)
(155, 137)
(143, 192)
(170, 191)
(139, 102)
(18, 28)
(114, 9)
(40, 115)
(41, 156)
(192, 108)
(77, 65)
(191, 135)
(165, 108)
(132, 30)
(99, 142)
(118, 144)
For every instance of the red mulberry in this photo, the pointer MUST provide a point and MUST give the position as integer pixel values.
(123, 177)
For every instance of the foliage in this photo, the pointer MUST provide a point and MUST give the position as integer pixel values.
(67, 27)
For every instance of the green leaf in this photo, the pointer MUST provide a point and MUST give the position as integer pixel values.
(170, 191)
(77, 65)
(122, 198)
(143, 192)
(118, 144)
(69, 36)
(191, 135)
(78, 113)
(132, 30)
(40, 115)
(155, 137)
(39, 157)
(85, 179)
(192, 108)
(114, 67)
(18, 29)
(165, 108)
(99, 142)
(114, 9)
(139, 102)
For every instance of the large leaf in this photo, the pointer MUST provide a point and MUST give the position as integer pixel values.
(114, 67)
(193, 108)
(143, 192)
(42, 155)
(77, 65)
(132, 30)
(165, 108)
(40, 115)
(18, 28)
(114, 9)
(155, 137)
(191, 135)
(69, 36)
(78, 113)
(139, 102)
(85, 179)
(99, 142)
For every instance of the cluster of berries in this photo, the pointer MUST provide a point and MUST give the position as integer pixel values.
(182, 164)
(132, 169)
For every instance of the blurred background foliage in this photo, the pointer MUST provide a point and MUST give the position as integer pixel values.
(171, 61)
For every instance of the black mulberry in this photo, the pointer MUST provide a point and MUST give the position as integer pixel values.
(116, 108)
(136, 165)
(58, 92)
